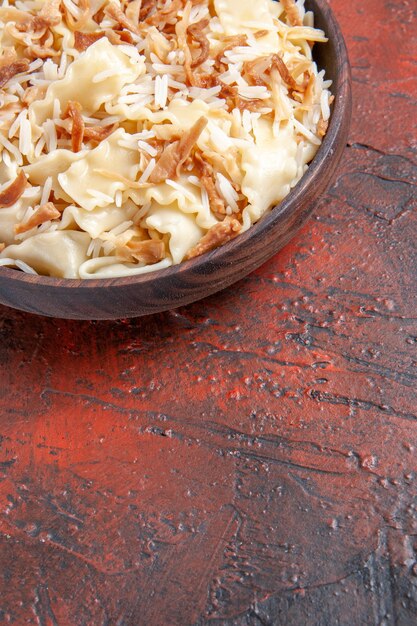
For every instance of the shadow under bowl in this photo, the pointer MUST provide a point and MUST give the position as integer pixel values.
(200, 277)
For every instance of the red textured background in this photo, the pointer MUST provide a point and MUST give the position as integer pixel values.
(249, 459)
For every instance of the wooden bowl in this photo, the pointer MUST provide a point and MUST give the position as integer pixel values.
(192, 280)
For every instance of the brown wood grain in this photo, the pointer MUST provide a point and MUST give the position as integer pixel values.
(249, 459)
(203, 276)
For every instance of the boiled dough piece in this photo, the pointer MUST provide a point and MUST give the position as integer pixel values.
(187, 198)
(270, 168)
(50, 165)
(12, 215)
(81, 81)
(108, 267)
(58, 254)
(183, 230)
(84, 181)
(248, 16)
(97, 221)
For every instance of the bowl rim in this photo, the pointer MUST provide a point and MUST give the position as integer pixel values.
(219, 256)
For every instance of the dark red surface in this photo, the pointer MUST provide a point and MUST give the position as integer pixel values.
(250, 459)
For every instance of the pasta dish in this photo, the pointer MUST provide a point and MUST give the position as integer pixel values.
(135, 135)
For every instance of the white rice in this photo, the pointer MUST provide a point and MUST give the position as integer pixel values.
(254, 93)
(102, 76)
(247, 121)
(129, 143)
(205, 201)
(63, 65)
(99, 195)
(31, 192)
(73, 9)
(7, 261)
(162, 68)
(217, 103)
(175, 84)
(305, 132)
(215, 26)
(11, 149)
(35, 65)
(137, 99)
(5, 157)
(141, 213)
(145, 134)
(16, 124)
(148, 171)
(91, 247)
(204, 94)
(50, 135)
(108, 247)
(94, 248)
(39, 82)
(121, 228)
(130, 51)
(147, 148)
(232, 75)
(224, 187)
(28, 214)
(325, 108)
(46, 191)
(21, 265)
(56, 112)
(50, 70)
(161, 91)
(118, 198)
(109, 121)
(186, 194)
(198, 13)
(16, 80)
(220, 140)
(26, 268)
(4, 186)
(241, 54)
(313, 116)
(40, 146)
(43, 228)
(25, 136)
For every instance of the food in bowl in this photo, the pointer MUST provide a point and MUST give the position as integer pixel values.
(136, 135)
